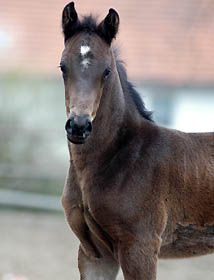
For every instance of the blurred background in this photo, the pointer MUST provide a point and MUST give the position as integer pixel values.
(167, 46)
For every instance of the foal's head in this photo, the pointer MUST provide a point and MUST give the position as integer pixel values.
(86, 65)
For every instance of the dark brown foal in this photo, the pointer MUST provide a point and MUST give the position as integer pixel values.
(135, 191)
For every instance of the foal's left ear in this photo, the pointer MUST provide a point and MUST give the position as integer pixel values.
(70, 20)
(108, 28)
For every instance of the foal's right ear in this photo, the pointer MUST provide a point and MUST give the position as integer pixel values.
(70, 20)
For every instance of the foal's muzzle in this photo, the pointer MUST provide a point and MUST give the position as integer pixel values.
(78, 128)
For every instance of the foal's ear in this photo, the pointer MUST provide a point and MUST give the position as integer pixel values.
(108, 28)
(70, 20)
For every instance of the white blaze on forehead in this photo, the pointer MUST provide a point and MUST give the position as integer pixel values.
(85, 63)
(84, 50)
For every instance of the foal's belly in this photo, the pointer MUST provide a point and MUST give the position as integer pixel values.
(189, 241)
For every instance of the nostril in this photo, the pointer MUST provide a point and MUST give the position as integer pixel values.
(88, 126)
(78, 127)
(68, 126)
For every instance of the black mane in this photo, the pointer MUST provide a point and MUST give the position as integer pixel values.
(127, 86)
(89, 26)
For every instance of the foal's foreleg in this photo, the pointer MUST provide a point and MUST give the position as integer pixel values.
(104, 268)
(77, 223)
(138, 258)
(72, 203)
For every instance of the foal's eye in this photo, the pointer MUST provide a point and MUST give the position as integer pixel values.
(106, 73)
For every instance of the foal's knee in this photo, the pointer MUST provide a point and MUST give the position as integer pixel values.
(65, 202)
(74, 214)
(75, 218)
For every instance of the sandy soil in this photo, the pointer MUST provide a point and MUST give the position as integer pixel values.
(41, 247)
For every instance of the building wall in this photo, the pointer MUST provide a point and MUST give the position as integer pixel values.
(189, 109)
(161, 41)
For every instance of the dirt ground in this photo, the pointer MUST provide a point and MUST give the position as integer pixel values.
(41, 247)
